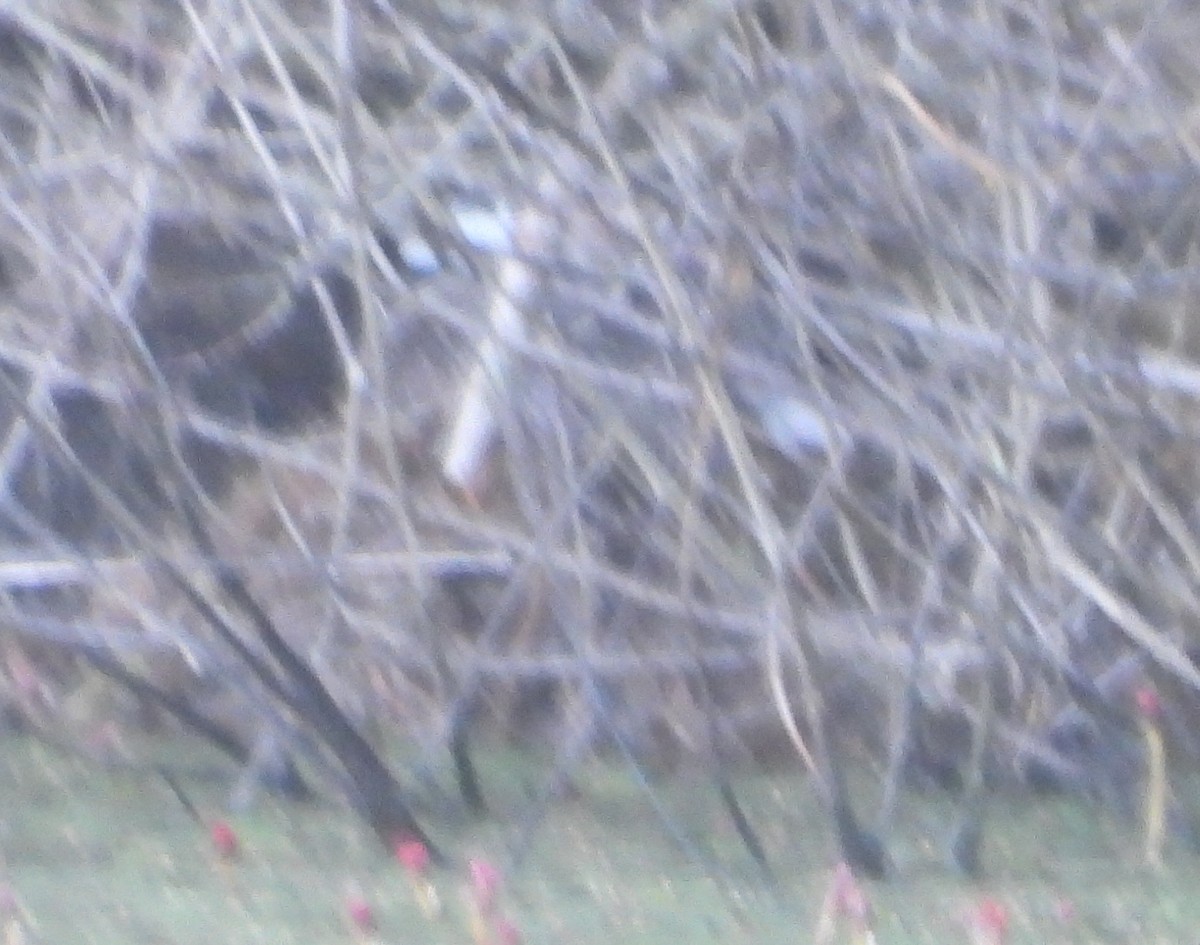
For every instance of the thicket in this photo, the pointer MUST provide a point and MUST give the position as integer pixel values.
(715, 383)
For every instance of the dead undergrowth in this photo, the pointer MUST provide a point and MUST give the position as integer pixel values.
(722, 357)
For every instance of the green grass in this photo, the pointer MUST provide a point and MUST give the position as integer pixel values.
(109, 857)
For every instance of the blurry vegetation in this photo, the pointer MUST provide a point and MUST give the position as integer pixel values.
(138, 871)
(716, 393)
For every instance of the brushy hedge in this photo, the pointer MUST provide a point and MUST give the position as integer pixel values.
(735, 377)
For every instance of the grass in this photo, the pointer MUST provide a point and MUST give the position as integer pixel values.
(101, 856)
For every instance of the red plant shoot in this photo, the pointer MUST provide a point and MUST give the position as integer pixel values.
(1149, 706)
(224, 840)
(412, 854)
(990, 922)
(1155, 787)
(507, 932)
(362, 916)
(849, 900)
(485, 883)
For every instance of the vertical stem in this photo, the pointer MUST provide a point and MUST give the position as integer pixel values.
(1155, 800)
